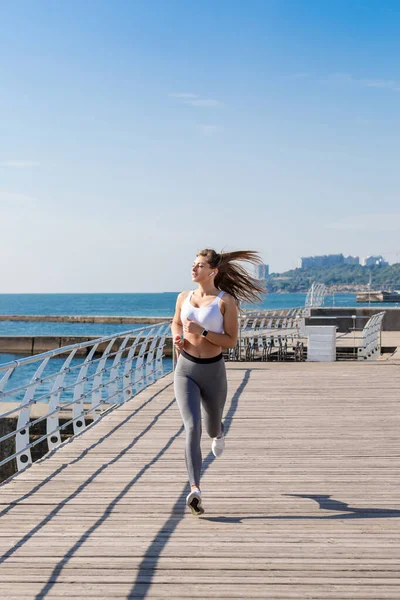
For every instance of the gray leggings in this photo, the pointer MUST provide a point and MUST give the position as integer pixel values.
(199, 382)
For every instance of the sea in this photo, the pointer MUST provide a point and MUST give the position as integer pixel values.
(159, 305)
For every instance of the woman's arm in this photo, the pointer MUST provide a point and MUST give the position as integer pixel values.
(227, 339)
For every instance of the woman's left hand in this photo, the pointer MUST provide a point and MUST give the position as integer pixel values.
(192, 327)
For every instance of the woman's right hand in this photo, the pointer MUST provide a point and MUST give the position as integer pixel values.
(178, 342)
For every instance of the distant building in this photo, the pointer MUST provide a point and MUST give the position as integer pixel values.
(261, 271)
(371, 261)
(306, 262)
(351, 260)
(327, 260)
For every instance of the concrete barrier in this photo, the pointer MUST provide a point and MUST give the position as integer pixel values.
(9, 424)
(30, 345)
(342, 318)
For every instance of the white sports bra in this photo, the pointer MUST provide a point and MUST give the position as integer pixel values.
(209, 316)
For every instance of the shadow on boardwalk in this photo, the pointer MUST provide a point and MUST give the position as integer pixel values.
(325, 503)
(141, 581)
(108, 510)
(179, 509)
(159, 542)
(74, 461)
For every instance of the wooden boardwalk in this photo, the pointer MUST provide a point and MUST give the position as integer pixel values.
(304, 503)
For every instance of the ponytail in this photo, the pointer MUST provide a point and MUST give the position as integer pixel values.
(232, 277)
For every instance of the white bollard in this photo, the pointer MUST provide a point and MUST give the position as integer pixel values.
(321, 345)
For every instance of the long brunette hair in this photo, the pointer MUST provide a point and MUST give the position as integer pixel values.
(232, 277)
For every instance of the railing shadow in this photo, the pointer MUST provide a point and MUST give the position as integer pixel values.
(157, 545)
(325, 503)
(74, 461)
(107, 511)
(93, 476)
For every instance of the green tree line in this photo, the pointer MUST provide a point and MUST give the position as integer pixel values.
(299, 280)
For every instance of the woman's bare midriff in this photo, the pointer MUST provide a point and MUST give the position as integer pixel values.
(200, 347)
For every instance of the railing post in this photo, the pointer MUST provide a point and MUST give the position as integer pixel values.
(159, 369)
(139, 370)
(149, 374)
(24, 457)
(79, 396)
(52, 421)
(240, 333)
(127, 378)
(173, 356)
(114, 371)
(97, 387)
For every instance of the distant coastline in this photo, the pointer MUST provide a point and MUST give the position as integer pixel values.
(339, 279)
(330, 289)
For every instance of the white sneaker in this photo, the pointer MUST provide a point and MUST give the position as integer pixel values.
(218, 445)
(193, 501)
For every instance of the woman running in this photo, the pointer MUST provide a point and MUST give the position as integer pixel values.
(205, 321)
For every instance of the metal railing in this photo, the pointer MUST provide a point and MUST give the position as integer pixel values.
(276, 334)
(269, 335)
(315, 295)
(371, 338)
(362, 344)
(94, 377)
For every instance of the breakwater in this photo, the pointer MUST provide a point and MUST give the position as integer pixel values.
(84, 319)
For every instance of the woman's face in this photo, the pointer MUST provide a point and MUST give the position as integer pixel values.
(201, 270)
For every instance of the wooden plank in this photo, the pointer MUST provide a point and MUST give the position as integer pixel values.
(291, 589)
(303, 504)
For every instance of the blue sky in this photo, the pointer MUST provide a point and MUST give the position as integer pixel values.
(133, 133)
